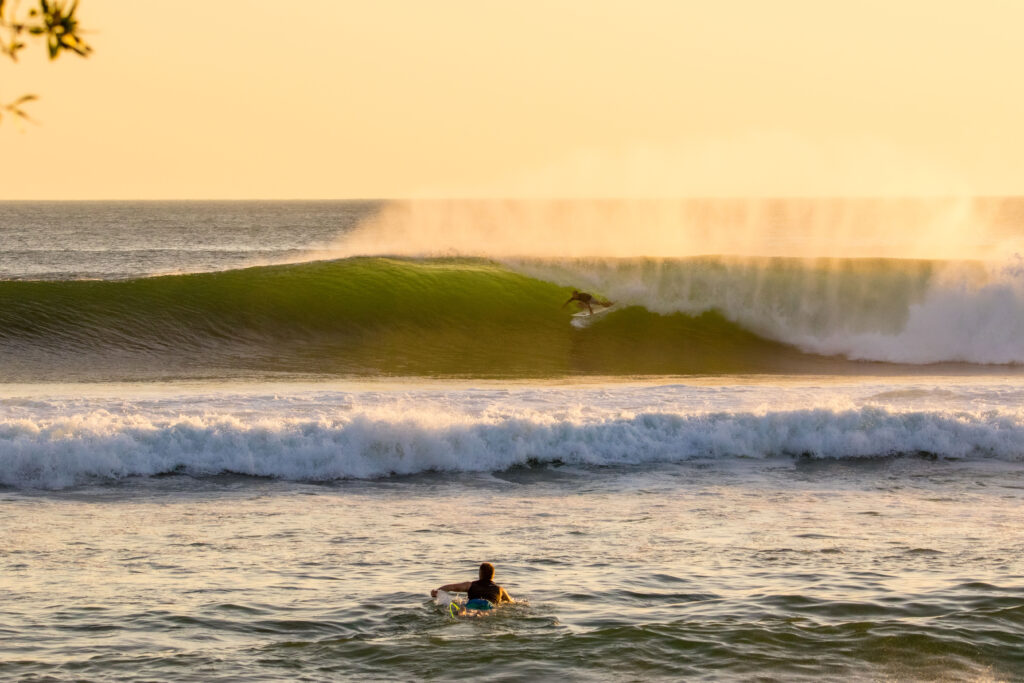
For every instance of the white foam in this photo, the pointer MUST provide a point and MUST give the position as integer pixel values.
(902, 312)
(958, 320)
(372, 435)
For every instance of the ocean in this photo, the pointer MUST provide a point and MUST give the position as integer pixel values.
(244, 440)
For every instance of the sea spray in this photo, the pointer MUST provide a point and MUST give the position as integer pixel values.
(938, 228)
(898, 311)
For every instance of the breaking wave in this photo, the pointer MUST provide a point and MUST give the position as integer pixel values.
(480, 318)
(98, 446)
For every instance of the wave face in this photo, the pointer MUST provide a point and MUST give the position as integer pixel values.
(363, 316)
(472, 317)
(322, 436)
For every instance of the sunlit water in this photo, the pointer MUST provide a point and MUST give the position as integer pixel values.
(712, 566)
(257, 523)
(905, 569)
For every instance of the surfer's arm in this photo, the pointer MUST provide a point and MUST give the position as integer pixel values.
(571, 299)
(505, 597)
(452, 588)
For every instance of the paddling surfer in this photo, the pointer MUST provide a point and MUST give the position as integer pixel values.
(482, 589)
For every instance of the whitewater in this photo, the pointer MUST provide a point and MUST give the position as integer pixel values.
(313, 434)
(243, 440)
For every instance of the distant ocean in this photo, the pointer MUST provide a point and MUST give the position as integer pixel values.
(238, 442)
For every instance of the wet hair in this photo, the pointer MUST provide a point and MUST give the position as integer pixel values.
(486, 571)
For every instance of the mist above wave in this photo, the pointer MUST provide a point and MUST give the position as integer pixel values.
(938, 228)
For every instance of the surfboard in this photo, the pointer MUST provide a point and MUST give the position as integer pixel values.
(584, 318)
(444, 598)
(455, 606)
(598, 310)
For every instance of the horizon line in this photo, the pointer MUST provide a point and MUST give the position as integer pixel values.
(780, 197)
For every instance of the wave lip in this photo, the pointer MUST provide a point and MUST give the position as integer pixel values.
(100, 446)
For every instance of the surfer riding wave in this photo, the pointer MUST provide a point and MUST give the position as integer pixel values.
(587, 300)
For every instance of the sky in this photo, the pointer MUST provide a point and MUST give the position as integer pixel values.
(331, 99)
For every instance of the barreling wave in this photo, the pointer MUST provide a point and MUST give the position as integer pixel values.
(99, 446)
(479, 318)
(361, 316)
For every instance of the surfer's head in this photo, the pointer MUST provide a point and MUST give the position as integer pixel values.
(486, 571)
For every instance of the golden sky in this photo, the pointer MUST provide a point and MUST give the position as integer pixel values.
(553, 98)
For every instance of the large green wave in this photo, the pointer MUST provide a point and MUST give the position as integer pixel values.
(360, 316)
